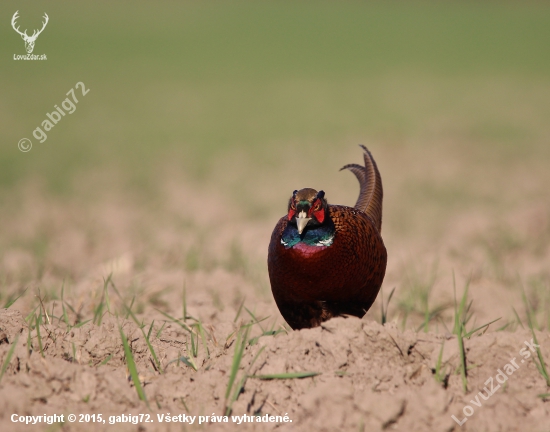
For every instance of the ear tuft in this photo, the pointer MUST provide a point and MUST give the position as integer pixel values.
(321, 194)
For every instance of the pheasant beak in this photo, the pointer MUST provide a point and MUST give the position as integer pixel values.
(301, 221)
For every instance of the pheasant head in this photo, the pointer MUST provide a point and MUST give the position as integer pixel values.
(307, 208)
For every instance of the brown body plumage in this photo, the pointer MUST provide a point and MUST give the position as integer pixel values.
(329, 260)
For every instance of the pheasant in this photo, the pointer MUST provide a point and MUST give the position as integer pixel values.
(329, 260)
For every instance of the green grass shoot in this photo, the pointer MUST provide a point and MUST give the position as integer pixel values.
(239, 311)
(104, 302)
(98, 311)
(469, 334)
(104, 362)
(202, 333)
(184, 405)
(541, 365)
(43, 308)
(505, 326)
(63, 308)
(184, 302)
(11, 300)
(417, 301)
(240, 346)
(384, 311)
(289, 375)
(150, 329)
(30, 346)
(240, 386)
(194, 346)
(439, 374)
(38, 319)
(132, 366)
(81, 323)
(254, 340)
(430, 315)
(7, 360)
(31, 317)
(177, 321)
(129, 312)
(129, 309)
(106, 292)
(187, 361)
(161, 329)
(151, 349)
(77, 315)
(518, 320)
(256, 320)
(460, 319)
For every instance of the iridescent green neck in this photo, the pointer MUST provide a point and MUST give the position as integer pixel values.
(319, 236)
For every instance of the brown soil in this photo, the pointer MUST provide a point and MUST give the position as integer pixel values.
(370, 376)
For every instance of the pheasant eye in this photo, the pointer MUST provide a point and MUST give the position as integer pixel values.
(317, 205)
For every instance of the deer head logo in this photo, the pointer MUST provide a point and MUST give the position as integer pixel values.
(29, 40)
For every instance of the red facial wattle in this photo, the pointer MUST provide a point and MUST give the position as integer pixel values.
(291, 214)
(320, 213)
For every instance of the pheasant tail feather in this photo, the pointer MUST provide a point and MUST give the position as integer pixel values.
(370, 183)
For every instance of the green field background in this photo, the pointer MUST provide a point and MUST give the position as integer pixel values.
(286, 83)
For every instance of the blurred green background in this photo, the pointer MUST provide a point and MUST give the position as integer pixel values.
(197, 82)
